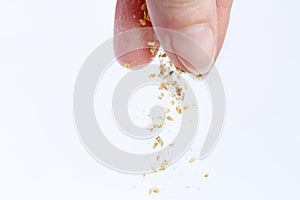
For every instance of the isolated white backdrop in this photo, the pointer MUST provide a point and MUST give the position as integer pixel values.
(44, 43)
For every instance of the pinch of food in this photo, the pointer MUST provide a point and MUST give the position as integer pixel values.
(185, 107)
(192, 160)
(162, 94)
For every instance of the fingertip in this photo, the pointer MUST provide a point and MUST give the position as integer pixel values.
(135, 43)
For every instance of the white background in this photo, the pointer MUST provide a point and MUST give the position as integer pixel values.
(44, 43)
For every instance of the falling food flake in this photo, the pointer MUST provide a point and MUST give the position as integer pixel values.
(160, 141)
(152, 76)
(205, 175)
(192, 160)
(164, 165)
(185, 107)
(158, 157)
(172, 102)
(153, 169)
(155, 145)
(178, 109)
(170, 118)
(167, 110)
(153, 190)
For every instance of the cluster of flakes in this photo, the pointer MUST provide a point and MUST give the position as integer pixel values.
(146, 17)
(191, 160)
(157, 142)
(171, 85)
(154, 46)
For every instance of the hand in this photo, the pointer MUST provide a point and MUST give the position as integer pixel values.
(204, 21)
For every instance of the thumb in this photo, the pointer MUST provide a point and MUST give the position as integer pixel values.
(189, 35)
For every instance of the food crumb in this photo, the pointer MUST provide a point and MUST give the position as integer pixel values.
(143, 22)
(157, 142)
(185, 107)
(127, 65)
(167, 110)
(152, 76)
(164, 165)
(191, 160)
(153, 190)
(170, 118)
(205, 175)
(178, 109)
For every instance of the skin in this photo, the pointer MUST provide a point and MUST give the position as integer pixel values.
(178, 15)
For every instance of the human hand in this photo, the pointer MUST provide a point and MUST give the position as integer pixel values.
(204, 21)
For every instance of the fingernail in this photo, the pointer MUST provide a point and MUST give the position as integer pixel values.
(195, 48)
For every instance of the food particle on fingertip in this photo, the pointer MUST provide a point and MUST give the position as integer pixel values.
(127, 65)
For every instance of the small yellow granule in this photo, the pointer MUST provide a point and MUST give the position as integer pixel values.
(192, 160)
(127, 65)
(154, 190)
(170, 118)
